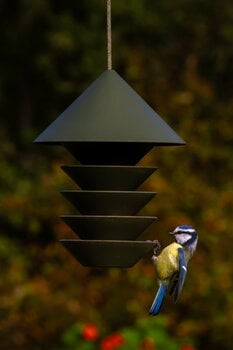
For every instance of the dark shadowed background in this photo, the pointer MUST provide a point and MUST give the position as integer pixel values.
(178, 56)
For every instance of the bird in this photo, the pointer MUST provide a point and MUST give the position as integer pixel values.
(171, 265)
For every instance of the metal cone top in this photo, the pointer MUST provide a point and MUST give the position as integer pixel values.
(109, 111)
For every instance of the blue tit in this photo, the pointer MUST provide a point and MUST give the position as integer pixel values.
(171, 265)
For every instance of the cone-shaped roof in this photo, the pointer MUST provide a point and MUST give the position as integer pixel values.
(109, 111)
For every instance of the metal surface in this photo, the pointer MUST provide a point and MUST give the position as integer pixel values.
(109, 128)
(112, 253)
(124, 178)
(106, 153)
(108, 227)
(108, 202)
(109, 111)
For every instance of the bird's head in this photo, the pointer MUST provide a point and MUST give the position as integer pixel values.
(186, 235)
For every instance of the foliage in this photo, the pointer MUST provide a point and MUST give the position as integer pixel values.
(178, 57)
(146, 335)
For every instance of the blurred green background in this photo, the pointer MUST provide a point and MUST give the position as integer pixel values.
(178, 56)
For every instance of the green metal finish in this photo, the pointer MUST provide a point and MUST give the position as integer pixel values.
(108, 253)
(106, 153)
(116, 178)
(109, 111)
(109, 128)
(108, 227)
(108, 202)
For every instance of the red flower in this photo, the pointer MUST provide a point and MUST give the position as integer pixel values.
(187, 347)
(90, 332)
(112, 342)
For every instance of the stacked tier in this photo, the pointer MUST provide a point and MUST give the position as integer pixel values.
(107, 224)
(108, 129)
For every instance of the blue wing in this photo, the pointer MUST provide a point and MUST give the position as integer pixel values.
(179, 278)
(158, 300)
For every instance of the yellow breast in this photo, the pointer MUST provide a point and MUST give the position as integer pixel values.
(167, 262)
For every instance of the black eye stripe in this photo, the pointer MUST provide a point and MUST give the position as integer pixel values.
(187, 232)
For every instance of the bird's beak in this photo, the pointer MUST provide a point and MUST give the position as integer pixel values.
(171, 233)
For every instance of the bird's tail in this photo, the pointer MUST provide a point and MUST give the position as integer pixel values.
(158, 300)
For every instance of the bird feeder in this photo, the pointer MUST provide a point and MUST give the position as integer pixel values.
(108, 129)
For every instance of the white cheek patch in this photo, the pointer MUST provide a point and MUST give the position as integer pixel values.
(182, 237)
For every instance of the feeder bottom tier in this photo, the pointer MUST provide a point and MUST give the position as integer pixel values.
(109, 253)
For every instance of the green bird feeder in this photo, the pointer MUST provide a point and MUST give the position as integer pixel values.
(108, 129)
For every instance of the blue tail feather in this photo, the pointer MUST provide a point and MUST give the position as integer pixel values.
(158, 300)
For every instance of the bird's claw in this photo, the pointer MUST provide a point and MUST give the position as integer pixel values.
(157, 246)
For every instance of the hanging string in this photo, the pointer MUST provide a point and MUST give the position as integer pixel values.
(109, 36)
